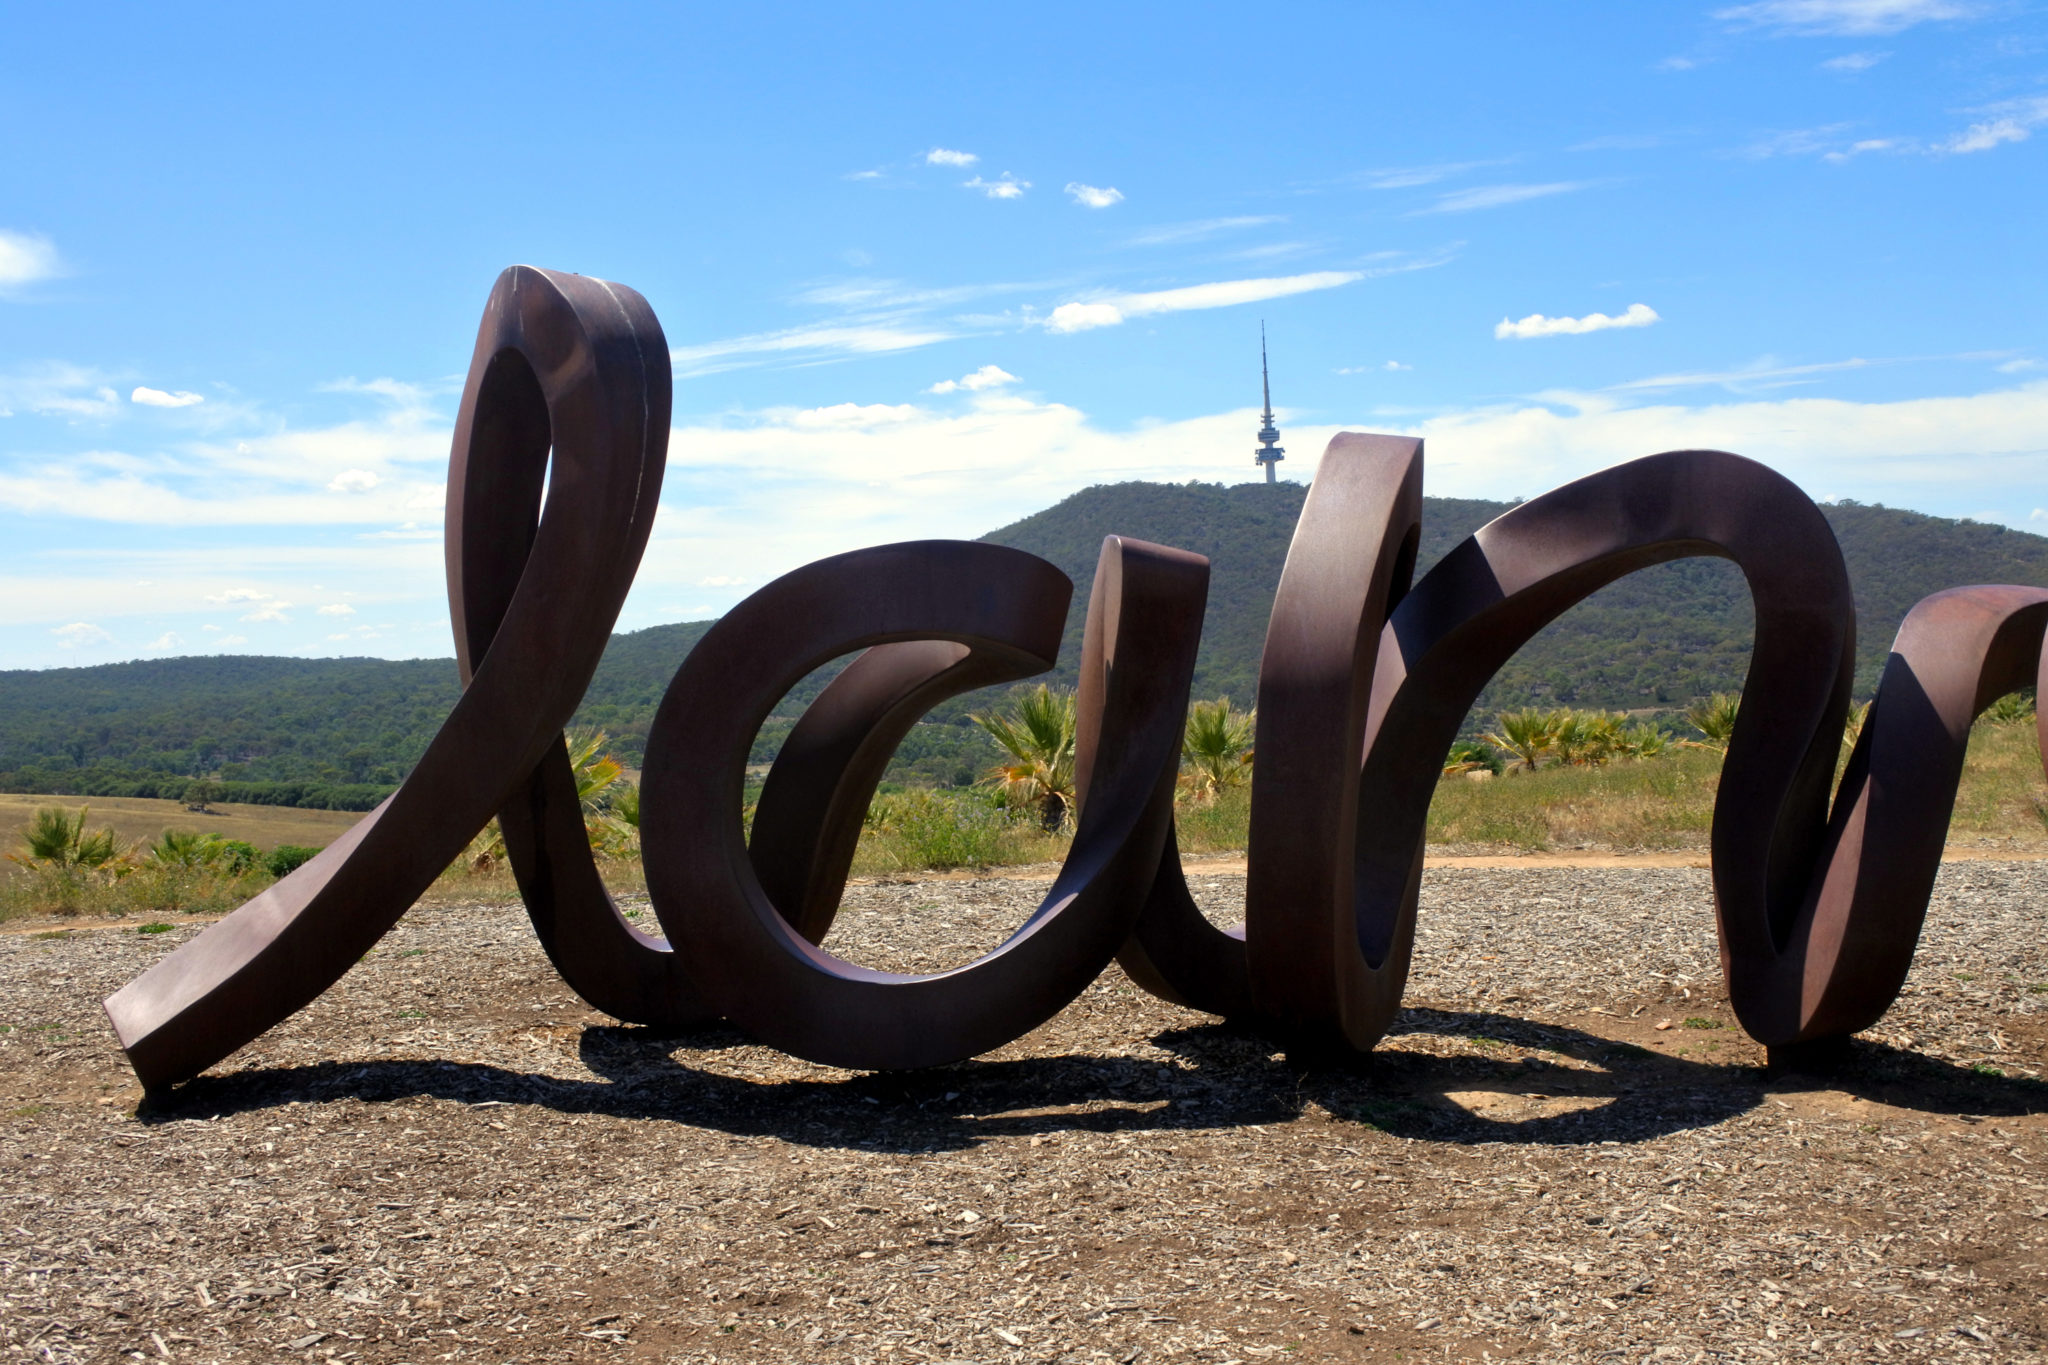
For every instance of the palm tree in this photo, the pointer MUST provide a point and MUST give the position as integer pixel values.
(59, 840)
(184, 848)
(1217, 747)
(1526, 734)
(1038, 736)
(1714, 717)
(1640, 740)
(595, 768)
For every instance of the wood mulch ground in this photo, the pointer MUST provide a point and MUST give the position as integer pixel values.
(1565, 1153)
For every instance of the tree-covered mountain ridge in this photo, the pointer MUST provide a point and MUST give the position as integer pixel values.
(340, 732)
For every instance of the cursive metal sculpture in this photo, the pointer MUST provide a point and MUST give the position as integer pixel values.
(1363, 685)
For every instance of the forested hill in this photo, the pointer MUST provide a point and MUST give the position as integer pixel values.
(1656, 638)
(340, 732)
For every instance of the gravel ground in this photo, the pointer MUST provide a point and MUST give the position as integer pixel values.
(1566, 1152)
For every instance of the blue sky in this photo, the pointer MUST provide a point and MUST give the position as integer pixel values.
(926, 269)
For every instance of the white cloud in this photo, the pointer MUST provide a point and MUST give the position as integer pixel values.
(354, 481)
(270, 611)
(1854, 61)
(57, 389)
(170, 639)
(26, 258)
(2019, 366)
(854, 337)
(862, 175)
(1094, 197)
(1173, 234)
(232, 640)
(1408, 177)
(1537, 325)
(2006, 121)
(1005, 186)
(987, 377)
(158, 398)
(81, 635)
(337, 609)
(847, 416)
(721, 580)
(1496, 196)
(1989, 446)
(946, 156)
(1844, 18)
(2014, 121)
(1765, 374)
(1082, 316)
(236, 595)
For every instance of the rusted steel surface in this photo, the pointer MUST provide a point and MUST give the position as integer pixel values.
(559, 359)
(1364, 684)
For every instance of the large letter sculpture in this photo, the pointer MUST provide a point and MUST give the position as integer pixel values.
(1364, 682)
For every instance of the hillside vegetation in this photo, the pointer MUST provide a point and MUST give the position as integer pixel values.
(339, 733)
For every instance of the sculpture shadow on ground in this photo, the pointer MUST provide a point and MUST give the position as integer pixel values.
(1561, 1087)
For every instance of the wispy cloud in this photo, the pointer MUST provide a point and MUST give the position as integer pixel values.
(987, 377)
(2006, 121)
(26, 257)
(1408, 177)
(1766, 373)
(1854, 61)
(946, 156)
(1844, 18)
(354, 481)
(1796, 142)
(1173, 234)
(1004, 186)
(158, 398)
(1537, 325)
(58, 389)
(862, 175)
(1094, 197)
(1497, 196)
(830, 338)
(1084, 315)
(2011, 121)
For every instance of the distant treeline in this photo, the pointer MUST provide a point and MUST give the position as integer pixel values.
(172, 787)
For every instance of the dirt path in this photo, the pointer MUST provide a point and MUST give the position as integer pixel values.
(1563, 1152)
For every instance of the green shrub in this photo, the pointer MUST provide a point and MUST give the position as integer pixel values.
(286, 859)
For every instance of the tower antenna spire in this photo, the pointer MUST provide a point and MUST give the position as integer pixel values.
(1269, 453)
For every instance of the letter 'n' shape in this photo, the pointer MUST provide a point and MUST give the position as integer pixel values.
(561, 361)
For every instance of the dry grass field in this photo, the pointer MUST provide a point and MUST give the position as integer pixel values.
(142, 818)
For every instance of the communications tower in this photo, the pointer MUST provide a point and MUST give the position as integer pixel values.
(1269, 454)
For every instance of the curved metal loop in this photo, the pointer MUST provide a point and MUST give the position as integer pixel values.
(1144, 622)
(808, 819)
(560, 360)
